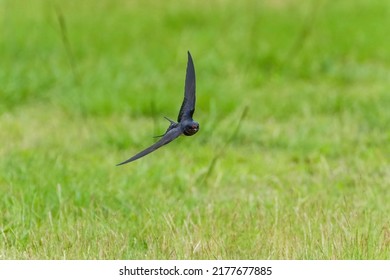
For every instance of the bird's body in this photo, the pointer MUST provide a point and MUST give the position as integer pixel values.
(185, 124)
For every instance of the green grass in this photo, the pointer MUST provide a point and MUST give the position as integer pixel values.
(85, 84)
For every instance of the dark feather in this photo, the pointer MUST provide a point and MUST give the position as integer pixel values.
(187, 108)
(168, 137)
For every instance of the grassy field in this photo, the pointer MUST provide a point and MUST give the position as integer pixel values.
(292, 160)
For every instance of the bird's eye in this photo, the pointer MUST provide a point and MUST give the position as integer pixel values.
(191, 129)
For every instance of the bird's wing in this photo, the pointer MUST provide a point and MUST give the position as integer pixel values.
(188, 106)
(168, 137)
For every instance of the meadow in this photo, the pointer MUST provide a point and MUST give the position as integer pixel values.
(292, 160)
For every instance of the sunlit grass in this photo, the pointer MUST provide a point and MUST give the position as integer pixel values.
(305, 176)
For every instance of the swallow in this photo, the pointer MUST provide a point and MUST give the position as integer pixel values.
(185, 124)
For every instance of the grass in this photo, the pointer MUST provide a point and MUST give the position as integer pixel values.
(305, 174)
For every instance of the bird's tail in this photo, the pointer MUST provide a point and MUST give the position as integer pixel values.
(173, 123)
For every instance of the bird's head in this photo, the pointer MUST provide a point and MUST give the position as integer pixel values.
(191, 128)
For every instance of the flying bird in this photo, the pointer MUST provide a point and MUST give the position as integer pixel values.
(185, 124)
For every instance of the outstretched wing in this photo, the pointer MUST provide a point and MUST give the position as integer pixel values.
(188, 106)
(168, 137)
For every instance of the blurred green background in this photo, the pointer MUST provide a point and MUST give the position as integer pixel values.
(291, 160)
